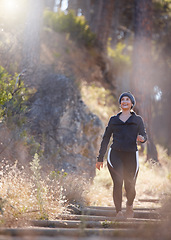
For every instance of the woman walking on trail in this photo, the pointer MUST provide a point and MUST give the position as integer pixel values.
(127, 129)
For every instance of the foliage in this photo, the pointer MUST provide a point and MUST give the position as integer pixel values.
(76, 26)
(12, 98)
(35, 167)
(21, 201)
(120, 56)
(57, 174)
(26, 195)
(99, 100)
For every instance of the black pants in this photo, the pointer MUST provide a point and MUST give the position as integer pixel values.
(123, 167)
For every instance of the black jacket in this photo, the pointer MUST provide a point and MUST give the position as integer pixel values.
(124, 134)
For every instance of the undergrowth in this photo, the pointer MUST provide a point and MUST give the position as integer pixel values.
(13, 98)
(75, 26)
(99, 100)
(153, 181)
(120, 57)
(27, 195)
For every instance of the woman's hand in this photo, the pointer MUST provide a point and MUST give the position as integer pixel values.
(99, 165)
(140, 138)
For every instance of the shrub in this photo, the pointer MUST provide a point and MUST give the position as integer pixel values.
(76, 26)
(12, 98)
(37, 195)
(99, 100)
(120, 59)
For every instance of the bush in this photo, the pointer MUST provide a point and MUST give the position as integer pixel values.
(25, 196)
(13, 96)
(28, 195)
(76, 26)
(120, 59)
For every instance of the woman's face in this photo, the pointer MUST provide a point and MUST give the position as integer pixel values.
(126, 103)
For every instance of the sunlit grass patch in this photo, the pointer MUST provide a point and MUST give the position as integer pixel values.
(22, 199)
(35, 195)
(100, 191)
(27, 195)
(153, 182)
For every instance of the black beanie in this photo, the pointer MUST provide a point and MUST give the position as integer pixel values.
(127, 94)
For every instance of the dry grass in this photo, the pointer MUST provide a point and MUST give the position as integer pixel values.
(153, 182)
(38, 196)
(20, 200)
(26, 196)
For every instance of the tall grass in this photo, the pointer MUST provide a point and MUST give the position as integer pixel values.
(153, 182)
(27, 195)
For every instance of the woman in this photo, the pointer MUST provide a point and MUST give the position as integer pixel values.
(127, 129)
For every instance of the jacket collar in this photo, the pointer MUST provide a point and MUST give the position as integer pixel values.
(131, 119)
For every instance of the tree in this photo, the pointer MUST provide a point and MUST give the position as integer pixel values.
(86, 9)
(50, 4)
(60, 3)
(142, 65)
(73, 4)
(104, 22)
(95, 16)
(31, 45)
(99, 15)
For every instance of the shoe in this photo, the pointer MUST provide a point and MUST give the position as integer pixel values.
(120, 216)
(129, 211)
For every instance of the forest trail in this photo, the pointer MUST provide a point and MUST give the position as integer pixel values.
(91, 224)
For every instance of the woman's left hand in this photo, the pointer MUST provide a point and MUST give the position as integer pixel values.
(140, 138)
(99, 165)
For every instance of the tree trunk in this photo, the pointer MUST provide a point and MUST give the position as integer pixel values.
(95, 15)
(86, 9)
(115, 21)
(105, 20)
(142, 65)
(31, 45)
(60, 4)
(50, 4)
(73, 5)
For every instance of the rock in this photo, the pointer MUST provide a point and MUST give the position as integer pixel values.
(68, 132)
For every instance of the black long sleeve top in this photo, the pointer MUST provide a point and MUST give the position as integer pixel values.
(124, 134)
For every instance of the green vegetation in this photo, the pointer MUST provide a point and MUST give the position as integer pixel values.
(120, 57)
(57, 174)
(35, 167)
(14, 101)
(75, 26)
(99, 100)
(13, 97)
(106, 223)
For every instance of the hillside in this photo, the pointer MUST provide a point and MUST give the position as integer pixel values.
(91, 70)
(72, 101)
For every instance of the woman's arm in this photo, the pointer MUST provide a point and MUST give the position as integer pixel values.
(105, 142)
(142, 137)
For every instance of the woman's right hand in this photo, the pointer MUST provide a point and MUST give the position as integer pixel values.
(99, 165)
(140, 138)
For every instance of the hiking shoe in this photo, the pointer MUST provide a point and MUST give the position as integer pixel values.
(129, 211)
(120, 216)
